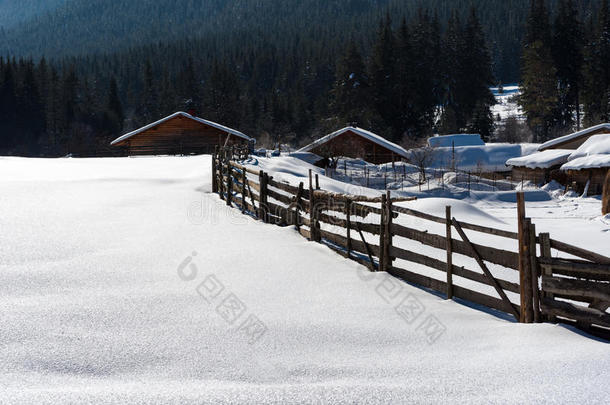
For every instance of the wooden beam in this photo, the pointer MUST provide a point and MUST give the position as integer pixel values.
(508, 305)
(449, 253)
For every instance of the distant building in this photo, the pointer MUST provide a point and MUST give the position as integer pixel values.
(178, 134)
(447, 141)
(588, 165)
(359, 143)
(574, 140)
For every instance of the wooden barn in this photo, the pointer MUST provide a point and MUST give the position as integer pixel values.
(539, 167)
(358, 143)
(573, 141)
(179, 134)
(588, 166)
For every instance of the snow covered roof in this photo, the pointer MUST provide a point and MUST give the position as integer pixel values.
(575, 135)
(594, 153)
(379, 140)
(444, 141)
(185, 115)
(541, 160)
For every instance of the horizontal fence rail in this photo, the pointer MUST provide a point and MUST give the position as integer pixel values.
(573, 290)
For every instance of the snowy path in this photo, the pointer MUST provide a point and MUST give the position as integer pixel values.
(93, 307)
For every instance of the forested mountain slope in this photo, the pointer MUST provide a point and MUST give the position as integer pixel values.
(91, 26)
(13, 12)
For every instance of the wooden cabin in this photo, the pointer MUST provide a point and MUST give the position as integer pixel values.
(588, 166)
(357, 143)
(539, 167)
(179, 134)
(574, 140)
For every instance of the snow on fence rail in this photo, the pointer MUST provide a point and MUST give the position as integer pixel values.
(573, 289)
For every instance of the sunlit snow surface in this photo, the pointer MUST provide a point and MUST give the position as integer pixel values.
(95, 309)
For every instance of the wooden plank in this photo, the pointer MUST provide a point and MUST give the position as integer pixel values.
(284, 186)
(305, 233)
(459, 271)
(579, 252)
(323, 194)
(578, 313)
(348, 226)
(546, 270)
(524, 263)
(479, 260)
(577, 288)
(492, 255)
(297, 206)
(382, 236)
(535, 272)
(578, 269)
(254, 185)
(288, 200)
(387, 233)
(459, 292)
(465, 225)
(369, 252)
(356, 245)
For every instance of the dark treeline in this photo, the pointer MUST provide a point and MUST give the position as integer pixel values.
(405, 79)
(565, 68)
(397, 87)
(44, 112)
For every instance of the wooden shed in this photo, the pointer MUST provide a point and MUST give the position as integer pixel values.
(539, 167)
(358, 143)
(574, 140)
(179, 134)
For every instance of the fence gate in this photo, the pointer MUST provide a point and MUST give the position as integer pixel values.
(575, 291)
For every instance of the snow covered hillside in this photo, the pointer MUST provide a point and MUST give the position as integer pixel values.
(126, 280)
(507, 105)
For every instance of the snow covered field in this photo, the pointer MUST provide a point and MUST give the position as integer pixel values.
(126, 280)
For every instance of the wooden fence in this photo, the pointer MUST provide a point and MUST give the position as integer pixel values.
(573, 290)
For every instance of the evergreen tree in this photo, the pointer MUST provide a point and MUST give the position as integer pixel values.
(596, 92)
(114, 108)
(568, 43)
(351, 89)
(383, 79)
(476, 65)
(539, 89)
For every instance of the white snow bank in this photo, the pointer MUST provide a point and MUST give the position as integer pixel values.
(93, 309)
(593, 153)
(595, 145)
(455, 140)
(541, 160)
(490, 157)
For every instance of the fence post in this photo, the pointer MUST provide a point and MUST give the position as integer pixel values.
(214, 176)
(220, 181)
(534, 271)
(229, 183)
(297, 216)
(388, 232)
(264, 192)
(317, 182)
(382, 230)
(348, 223)
(314, 235)
(261, 195)
(525, 274)
(547, 270)
(449, 253)
(244, 179)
